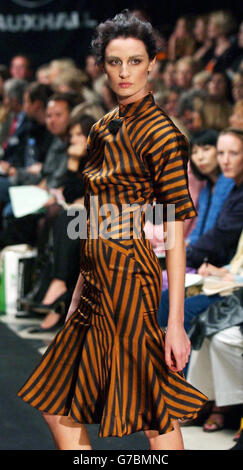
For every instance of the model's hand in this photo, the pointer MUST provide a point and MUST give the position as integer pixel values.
(177, 348)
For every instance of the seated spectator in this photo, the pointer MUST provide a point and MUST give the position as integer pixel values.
(168, 75)
(181, 42)
(217, 106)
(43, 74)
(211, 196)
(58, 66)
(13, 96)
(235, 66)
(4, 75)
(200, 80)
(95, 75)
(186, 67)
(66, 249)
(21, 67)
(168, 100)
(74, 80)
(34, 140)
(205, 167)
(5, 114)
(221, 356)
(219, 243)
(204, 43)
(196, 304)
(53, 170)
(224, 52)
(236, 118)
(237, 86)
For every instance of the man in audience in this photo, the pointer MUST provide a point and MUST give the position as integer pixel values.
(20, 67)
(31, 141)
(53, 170)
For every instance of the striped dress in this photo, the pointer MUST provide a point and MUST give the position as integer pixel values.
(106, 365)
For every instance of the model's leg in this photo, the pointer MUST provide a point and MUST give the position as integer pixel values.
(170, 441)
(67, 434)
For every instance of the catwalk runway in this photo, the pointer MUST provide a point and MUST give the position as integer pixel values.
(22, 427)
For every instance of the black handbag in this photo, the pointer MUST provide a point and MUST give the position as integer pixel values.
(219, 315)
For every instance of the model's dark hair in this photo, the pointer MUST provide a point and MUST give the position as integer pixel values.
(125, 24)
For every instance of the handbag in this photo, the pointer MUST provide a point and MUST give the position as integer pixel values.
(218, 316)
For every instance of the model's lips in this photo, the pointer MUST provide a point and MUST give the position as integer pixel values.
(125, 84)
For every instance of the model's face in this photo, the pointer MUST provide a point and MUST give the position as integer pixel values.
(230, 156)
(205, 158)
(127, 65)
(57, 117)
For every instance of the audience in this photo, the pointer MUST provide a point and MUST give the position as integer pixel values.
(45, 117)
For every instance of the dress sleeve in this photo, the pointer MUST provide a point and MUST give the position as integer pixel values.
(167, 158)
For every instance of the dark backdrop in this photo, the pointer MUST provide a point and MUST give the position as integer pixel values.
(47, 29)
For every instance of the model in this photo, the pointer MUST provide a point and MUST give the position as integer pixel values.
(111, 363)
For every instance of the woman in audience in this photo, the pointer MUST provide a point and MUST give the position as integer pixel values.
(203, 42)
(236, 118)
(219, 243)
(237, 86)
(221, 25)
(217, 106)
(205, 167)
(66, 250)
(181, 42)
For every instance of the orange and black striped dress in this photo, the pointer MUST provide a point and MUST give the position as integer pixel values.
(106, 365)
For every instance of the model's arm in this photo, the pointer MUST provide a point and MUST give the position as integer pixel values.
(177, 343)
(76, 296)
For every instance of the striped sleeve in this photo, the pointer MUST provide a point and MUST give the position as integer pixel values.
(167, 158)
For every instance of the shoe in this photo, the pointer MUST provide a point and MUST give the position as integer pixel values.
(238, 432)
(61, 308)
(212, 421)
(26, 314)
(239, 444)
(44, 308)
(54, 328)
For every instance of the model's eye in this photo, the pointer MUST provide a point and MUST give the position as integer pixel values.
(113, 61)
(135, 61)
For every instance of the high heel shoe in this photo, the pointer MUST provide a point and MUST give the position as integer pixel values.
(60, 308)
(44, 308)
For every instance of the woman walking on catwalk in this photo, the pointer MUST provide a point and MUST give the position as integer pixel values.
(111, 363)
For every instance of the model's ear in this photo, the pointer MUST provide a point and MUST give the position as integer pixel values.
(151, 64)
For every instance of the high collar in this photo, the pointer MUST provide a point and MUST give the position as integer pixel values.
(136, 107)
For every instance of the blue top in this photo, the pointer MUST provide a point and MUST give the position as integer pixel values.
(210, 205)
(219, 244)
